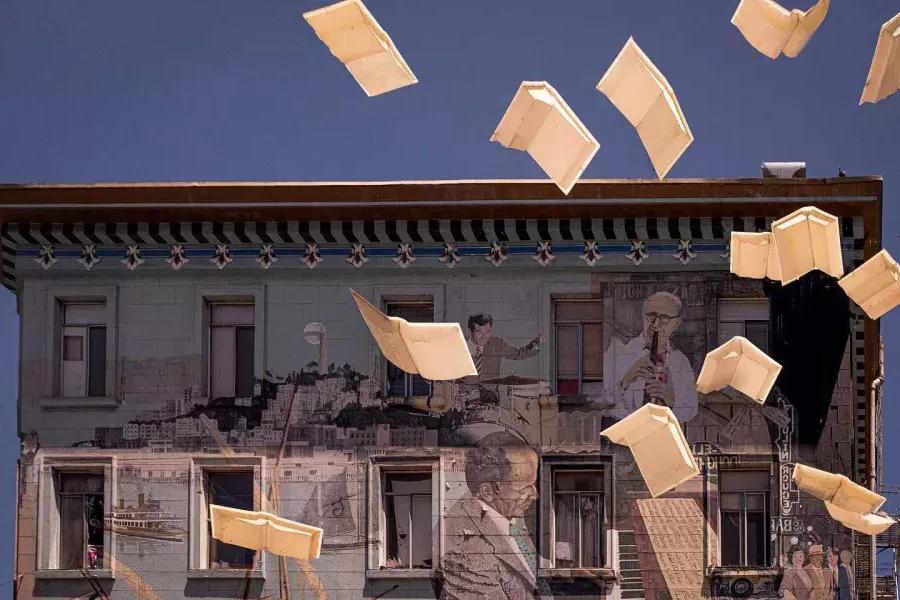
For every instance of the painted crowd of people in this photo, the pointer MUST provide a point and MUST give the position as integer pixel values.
(814, 574)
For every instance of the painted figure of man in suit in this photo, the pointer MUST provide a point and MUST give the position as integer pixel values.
(488, 351)
(489, 553)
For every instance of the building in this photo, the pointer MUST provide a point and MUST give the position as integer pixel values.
(171, 336)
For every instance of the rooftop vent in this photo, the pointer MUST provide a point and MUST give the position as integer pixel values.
(784, 170)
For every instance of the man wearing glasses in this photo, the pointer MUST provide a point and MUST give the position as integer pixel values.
(649, 368)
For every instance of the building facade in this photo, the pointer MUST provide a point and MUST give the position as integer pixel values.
(190, 344)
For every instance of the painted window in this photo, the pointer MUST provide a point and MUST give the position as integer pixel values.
(400, 383)
(79, 499)
(407, 506)
(233, 489)
(231, 334)
(579, 346)
(578, 517)
(83, 370)
(744, 518)
(747, 318)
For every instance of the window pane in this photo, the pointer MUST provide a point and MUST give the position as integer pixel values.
(243, 382)
(84, 314)
(396, 380)
(580, 481)
(592, 351)
(730, 501)
(407, 483)
(730, 329)
(591, 540)
(753, 481)
(755, 502)
(396, 513)
(71, 532)
(94, 516)
(97, 361)
(578, 310)
(758, 334)
(415, 312)
(80, 483)
(400, 383)
(567, 359)
(234, 490)
(221, 362)
(730, 536)
(756, 538)
(231, 314)
(566, 521)
(73, 348)
(421, 531)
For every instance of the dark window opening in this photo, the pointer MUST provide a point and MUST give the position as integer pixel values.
(407, 512)
(233, 489)
(399, 382)
(578, 518)
(80, 504)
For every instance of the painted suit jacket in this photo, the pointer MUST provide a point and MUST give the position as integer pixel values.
(492, 354)
(481, 560)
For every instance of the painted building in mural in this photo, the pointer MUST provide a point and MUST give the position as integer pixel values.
(183, 345)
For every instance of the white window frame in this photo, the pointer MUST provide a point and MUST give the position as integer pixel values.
(547, 515)
(556, 323)
(48, 513)
(378, 466)
(56, 298)
(198, 538)
(243, 294)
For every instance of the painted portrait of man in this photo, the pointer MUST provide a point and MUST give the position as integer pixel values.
(489, 351)
(649, 368)
(489, 552)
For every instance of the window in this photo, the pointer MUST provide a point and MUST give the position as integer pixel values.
(399, 382)
(579, 346)
(79, 498)
(407, 519)
(233, 489)
(743, 517)
(747, 318)
(83, 351)
(231, 350)
(578, 518)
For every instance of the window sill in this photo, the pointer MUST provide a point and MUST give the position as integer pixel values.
(86, 402)
(603, 574)
(743, 571)
(225, 574)
(73, 574)
(400, 574)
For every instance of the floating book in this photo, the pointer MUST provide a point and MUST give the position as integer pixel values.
(540, 122)
(808, 239)
(847, 502)
(265, 531)
(637, 88)
(741, 365)
(754, 255)
(869, 524)
(659, 447)
(357, 40)
(436, 351)
(884, 73)
(875, 285)
(772, 29)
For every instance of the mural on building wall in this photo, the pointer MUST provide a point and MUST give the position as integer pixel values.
(332, 416)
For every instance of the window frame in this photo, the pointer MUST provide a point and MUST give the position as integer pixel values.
(551, 464)
(767, 512)
(376, 549)
(554, 302)
(56, 299)
(408, 378)
(199, 534)
(48, 517)
(743, 321)
(233, 328)
(239, 294)
(578, 494)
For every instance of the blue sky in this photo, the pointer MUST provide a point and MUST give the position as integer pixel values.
(112, 90)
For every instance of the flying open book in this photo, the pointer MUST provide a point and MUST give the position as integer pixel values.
(754, 255)
(436, 351)
(659, 447)
(540, 122)
(850, 503)
(640, 91)
(265, 531)
(357, 40)
(875, 285)
(808, 239)
(884, 73)
(741, 365)
(772, 29)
